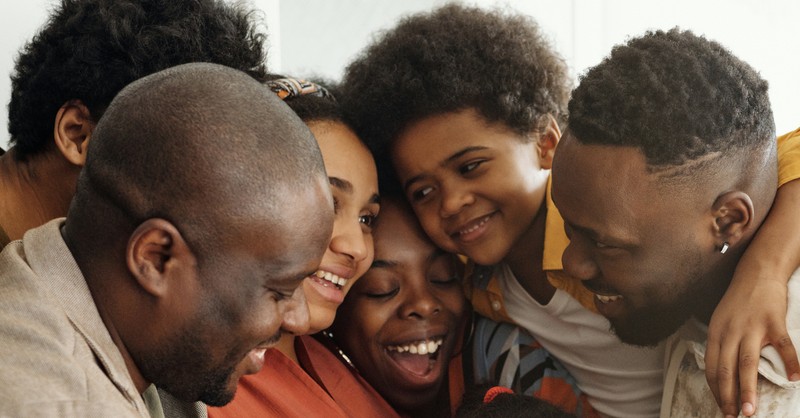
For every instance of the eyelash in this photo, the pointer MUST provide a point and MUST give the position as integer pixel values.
(470, 166)
(383, 295)
(368, 220)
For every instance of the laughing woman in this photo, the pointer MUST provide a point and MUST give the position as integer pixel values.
(402, 323)
(301, 378)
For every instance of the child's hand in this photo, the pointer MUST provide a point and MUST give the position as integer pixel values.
(748, 318)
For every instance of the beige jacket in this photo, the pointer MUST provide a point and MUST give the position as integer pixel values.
(57, 358)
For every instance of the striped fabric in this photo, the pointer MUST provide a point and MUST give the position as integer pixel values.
(508, 356)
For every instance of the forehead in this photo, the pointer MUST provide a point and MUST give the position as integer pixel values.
(428, 143)
(344, 155)
(604, 188)
(398, 234)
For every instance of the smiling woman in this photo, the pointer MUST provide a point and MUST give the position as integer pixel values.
(402, 323)
(313, 381)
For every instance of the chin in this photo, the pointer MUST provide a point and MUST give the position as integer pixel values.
(644, 333)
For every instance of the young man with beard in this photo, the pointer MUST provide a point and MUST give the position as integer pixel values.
(179, 258)
(665, 173)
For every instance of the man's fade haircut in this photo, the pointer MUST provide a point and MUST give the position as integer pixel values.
(90, 49)
(201, 145)
(452, 59)
(680, 98)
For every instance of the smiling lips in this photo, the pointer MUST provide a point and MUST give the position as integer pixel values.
(418, 357)
(329, 277)
(473, 229)
(419, 347)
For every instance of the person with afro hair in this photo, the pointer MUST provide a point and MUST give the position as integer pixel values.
(67, 74)
(664, 176)
(464, 107)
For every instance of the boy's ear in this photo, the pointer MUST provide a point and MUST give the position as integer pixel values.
(733, 217)
(546, 143)
(158, 257)
(73, 129)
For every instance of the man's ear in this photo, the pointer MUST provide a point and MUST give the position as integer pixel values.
(157, 253)
(733, 217)
(546, 143)
(73, 129)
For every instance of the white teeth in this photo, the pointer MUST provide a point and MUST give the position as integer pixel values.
(330, 277)
(474, 227)
(606, 299)
(421, 347)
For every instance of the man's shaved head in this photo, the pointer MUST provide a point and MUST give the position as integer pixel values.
(202, 141)
(203, 205)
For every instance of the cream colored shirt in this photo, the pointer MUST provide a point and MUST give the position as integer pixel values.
(686, 392)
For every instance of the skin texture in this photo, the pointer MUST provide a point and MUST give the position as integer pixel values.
(354, 184)
(195, 271)
(477, 189)
(758, 288)
(410, 293)
(623, 240)
(68, 73)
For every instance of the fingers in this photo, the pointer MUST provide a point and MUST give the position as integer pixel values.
(749, 354)
(788, 353)
(726, 376)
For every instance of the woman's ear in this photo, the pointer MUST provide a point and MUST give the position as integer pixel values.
(73, 129)
(733, 217)
(546, 143)
(157, 255)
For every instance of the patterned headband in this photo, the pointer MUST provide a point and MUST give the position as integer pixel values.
(287, 88)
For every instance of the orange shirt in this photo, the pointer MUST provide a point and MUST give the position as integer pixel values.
(321, 385)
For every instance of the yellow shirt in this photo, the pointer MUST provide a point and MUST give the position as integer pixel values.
(487, 299)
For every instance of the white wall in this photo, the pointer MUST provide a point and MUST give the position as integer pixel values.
(319, 37)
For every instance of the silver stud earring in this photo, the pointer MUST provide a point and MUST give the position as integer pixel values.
(724, 248)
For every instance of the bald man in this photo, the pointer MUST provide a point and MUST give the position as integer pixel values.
(202, 206)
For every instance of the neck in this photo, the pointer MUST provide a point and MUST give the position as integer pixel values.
(286, 346)
(718, 279)
(34, 191)
(526, 256)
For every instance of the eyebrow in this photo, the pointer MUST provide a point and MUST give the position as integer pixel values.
(456, 155)
(341, 184)
(347, 187)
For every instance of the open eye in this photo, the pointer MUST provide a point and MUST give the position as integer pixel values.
(470, 166)
(367, 220)
(421, 193)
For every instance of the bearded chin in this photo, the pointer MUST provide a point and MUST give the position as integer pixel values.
(649, 326)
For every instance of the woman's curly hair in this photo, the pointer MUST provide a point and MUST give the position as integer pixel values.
(451, 59)
(90, 49)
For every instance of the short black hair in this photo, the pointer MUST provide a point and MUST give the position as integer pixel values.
(676, 96)
(450, 59)
(90, 49)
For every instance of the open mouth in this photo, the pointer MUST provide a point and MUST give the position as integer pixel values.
(419, 358)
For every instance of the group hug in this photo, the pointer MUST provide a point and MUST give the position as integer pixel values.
(456, 228)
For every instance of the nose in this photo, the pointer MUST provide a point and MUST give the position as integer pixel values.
(294, 312)
(420, 303)
(577, 262)
(454, 198)
(349, 239)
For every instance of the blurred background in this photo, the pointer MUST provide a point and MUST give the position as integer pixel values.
(317, 38)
